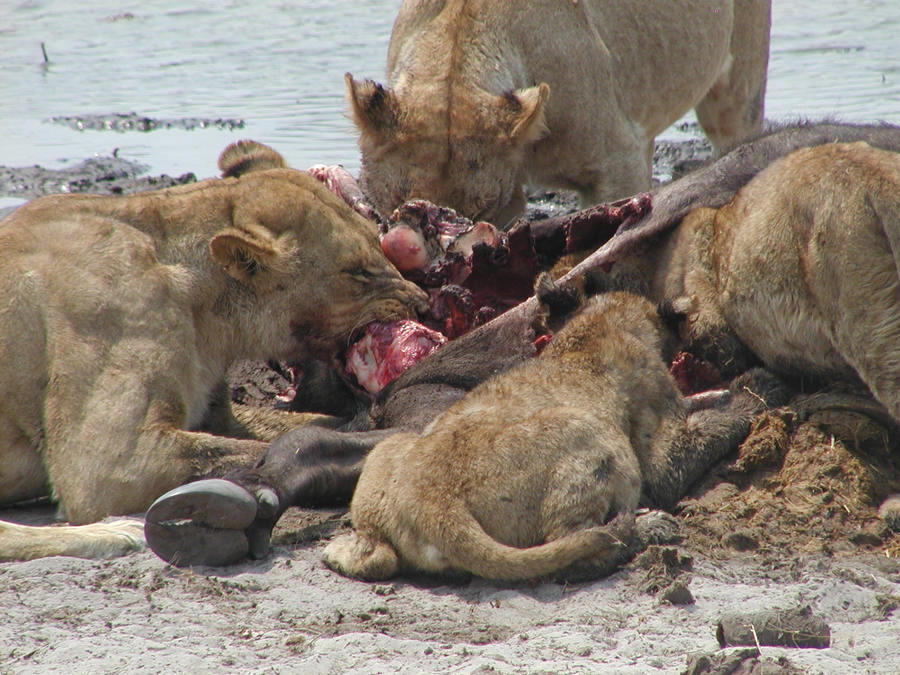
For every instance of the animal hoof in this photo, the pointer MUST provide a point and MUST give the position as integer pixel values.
(202, 523)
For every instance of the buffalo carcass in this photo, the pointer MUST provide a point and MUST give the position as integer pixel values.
(221, 521)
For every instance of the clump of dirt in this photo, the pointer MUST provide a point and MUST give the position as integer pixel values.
(805, 481)
(739, 662)
(665, 572)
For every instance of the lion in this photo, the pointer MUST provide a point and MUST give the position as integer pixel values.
(800, 270)
(484, 97)
(121, 314)
(521, 477)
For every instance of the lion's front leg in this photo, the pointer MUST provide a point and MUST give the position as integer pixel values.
(22, 473)
(684, 449)
(733, 108)
(620, 168)
(118, 459)
(236, 420)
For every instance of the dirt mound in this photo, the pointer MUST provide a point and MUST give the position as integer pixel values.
(808, 479)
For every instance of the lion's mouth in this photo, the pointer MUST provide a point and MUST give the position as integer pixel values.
(378, 353)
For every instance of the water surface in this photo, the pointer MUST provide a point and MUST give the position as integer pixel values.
(279, 67)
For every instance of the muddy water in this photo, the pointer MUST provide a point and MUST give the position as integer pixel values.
(279, 66)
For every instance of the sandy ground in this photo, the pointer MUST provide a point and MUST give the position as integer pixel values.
(788, 523)
(288, 613)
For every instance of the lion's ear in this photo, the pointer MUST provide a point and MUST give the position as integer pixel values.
(372, 107)
(527, 106)
(243, 254)
(245, 156)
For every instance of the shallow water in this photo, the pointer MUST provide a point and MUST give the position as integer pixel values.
(279, 67)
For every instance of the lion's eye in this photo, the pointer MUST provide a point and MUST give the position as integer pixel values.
(361, 273)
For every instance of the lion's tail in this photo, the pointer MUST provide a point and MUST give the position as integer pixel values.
(97, 540)
(468, 547)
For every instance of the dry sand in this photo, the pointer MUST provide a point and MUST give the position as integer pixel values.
(759, 535)
(289, 614)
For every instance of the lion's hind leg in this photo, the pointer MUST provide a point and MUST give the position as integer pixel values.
(866, 300)
(362, 557)
(870, 341)
(97, 540)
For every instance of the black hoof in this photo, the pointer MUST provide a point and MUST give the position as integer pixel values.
(208, 522)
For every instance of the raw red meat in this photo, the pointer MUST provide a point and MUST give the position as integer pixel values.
(693, 374)
(387, 349)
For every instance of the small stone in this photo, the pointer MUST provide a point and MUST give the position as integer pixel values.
(865, 538)
(677, 594)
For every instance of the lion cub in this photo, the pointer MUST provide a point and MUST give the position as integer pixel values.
(518, 479)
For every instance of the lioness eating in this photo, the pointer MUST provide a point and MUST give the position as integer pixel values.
(120, 316)
(519, 478)
(801, 270)
(483, 96)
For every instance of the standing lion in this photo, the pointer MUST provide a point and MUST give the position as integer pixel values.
(484, 96)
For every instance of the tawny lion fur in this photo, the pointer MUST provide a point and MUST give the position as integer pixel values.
(120, 316)
(518, 479)
(483, 96)
(800, 270)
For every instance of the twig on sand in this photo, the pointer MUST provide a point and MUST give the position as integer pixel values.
(756, 640)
